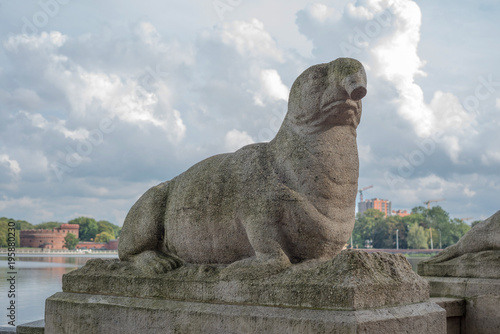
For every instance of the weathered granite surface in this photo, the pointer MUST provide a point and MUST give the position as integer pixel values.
(123, 315)
(266, 205)
(34, 327)
(353, 280)
(455, 312)
(485, 264)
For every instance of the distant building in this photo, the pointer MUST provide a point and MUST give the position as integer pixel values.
(401, 213)
(51, 239)
(382, 205)
(110, 245)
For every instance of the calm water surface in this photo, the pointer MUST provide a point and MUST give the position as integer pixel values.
(38, 277)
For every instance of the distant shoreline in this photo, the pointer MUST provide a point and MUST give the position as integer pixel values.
(59, 252)
(409, 252)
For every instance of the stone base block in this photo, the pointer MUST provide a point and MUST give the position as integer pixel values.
(482, 301)
(75, 313)
(353, 280)
(455, 312)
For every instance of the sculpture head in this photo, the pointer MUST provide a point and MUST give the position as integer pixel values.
(327, 95)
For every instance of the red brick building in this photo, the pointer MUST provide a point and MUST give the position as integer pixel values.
(401, 213)
(110, 245)
(51, 239)
(382, 205)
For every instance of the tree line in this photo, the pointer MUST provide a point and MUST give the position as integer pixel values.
(422, 229)
(371, 229)
(89, 230)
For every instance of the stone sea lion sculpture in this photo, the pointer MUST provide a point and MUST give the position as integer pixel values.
(267, 205)
(482, 237)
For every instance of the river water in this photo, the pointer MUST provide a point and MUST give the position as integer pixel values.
(40, 276)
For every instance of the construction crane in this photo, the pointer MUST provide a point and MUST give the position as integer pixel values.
(433, 200)
(468, 218)
(361, 192)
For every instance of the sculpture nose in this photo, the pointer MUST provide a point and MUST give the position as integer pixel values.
(355, 85)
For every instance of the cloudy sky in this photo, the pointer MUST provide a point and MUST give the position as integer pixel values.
(99, 100)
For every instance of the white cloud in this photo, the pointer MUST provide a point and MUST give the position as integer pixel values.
(24, 203)
(148, 33)
(251, 39)
(322, 12)
(38, 121)
(468, 192)
(235, 139)
(396, 60)
(98, 94)
(177, 130)
(12, 164)
(450, 115)
(498, 104)
(52, 40)
(413, 192)
(7, 202)
(361, 12)
(451, 119)
(452, 145)
(271, 87)
(491, 157)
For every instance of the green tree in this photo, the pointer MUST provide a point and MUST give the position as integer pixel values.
(417, 238)
(4, 226)
(367, 226)
(20, 224)
(104, 237)
(70, 241)
(23, 225)
(396, 223)
(47, 226)
(88, 228)
(458, 230)
(116, 228)
(105, 226)
(475, 222)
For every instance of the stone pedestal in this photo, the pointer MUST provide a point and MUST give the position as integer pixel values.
(474, 277)
(356, 292)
